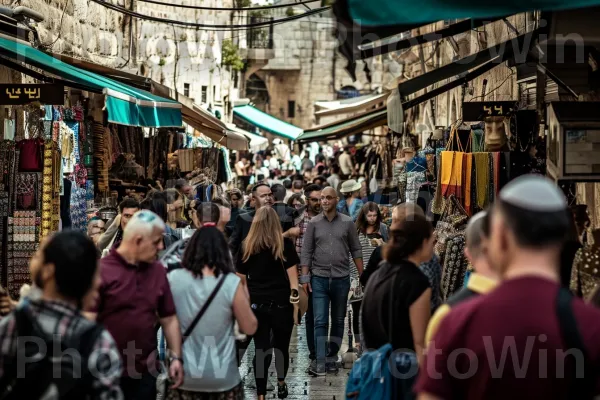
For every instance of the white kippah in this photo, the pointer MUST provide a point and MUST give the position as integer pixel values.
(476, 217)
(534, 193)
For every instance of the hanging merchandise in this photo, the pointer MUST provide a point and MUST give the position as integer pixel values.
(467, 182)
(415, 177)
(455, 265)
(496, 138)
(453, 220)
(185, 158)
(395, 111)
(452, 167)
(31, 155)
(9, 129)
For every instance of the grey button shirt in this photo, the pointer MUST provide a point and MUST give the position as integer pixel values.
(327, 245)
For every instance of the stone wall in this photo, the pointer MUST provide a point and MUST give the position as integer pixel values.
(307, 68)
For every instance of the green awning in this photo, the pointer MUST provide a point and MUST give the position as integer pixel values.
(125, 105)
(404, 12)
(267, 122)
(350, 126)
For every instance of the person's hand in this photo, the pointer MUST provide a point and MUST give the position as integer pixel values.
(307, 288)
(6, 305)
(293, 232)
(176, 374)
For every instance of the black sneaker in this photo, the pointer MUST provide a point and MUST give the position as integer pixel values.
(332, 368)
(318, 370)
(282, 390)
(312, 365)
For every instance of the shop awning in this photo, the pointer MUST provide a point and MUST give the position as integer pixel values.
(267, 122)
(257, 142)
(376, 13)
(350, 126)
(336, 107)
(198, 118)
(125, 104)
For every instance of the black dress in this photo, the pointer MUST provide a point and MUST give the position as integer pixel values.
(407, 283)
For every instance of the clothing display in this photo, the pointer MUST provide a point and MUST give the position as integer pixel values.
(585, 275)
(455, 265)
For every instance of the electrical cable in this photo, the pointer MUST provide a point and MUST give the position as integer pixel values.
(162, 3)
(51, 45)
(205, 26)
(496, 88)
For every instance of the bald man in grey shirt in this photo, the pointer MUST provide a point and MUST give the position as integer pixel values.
(329, 239)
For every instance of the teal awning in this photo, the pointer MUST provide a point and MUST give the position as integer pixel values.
(349, 126)
(409, 12)
(125, 105)
(267, 122)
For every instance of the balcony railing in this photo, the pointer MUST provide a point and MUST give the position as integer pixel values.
(261, 37)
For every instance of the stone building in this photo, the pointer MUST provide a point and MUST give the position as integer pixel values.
(305, 67)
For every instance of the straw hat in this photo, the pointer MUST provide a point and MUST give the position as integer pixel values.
(350, 186)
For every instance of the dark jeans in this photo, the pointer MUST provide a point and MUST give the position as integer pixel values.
(326, 291)
(278, 321)
(143, 388)
(309, 319)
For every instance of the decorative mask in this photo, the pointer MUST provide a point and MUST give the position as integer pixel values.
(495, 134)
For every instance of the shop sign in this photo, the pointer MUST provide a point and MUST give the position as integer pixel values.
(18, 94)
(479, 110)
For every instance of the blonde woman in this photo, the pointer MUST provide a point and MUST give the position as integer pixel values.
(268, 264)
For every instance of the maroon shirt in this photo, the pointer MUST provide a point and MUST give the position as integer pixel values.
(131, 300)
(513, 317)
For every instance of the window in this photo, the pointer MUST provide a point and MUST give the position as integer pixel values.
(291, 109)
(204, 94)
(214, 94)
(235, 79)
(186, 89)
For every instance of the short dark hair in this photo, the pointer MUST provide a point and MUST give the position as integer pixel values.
(279, 191)
(180, 184)
(320, 178)
(157, 204)
(207, 246)
(255, 187)
(287, 183)
(298, 184)
(75, 260)
(535, 229)
(408, 239)
(335, 169)
(208, 212)
(312, 188)
(128, 202)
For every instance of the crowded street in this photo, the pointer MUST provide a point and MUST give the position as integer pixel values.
(299, 199)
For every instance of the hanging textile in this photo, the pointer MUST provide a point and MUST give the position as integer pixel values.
(468, 170)
(228, 172)
(51, 188)
(492, 174)
(415, 177)
(482, 174)
(452, 167)
(585, 275)
(455, 265)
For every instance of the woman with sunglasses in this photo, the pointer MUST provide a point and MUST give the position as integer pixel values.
(268, 263)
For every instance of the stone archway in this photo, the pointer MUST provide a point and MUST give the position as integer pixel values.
(257, 92)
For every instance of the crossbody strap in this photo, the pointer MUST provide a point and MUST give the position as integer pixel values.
(203, 309)
(580, 388)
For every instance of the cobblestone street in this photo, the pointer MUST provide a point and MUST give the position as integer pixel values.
(300, 384)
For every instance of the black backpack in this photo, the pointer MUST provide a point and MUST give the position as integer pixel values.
(41, 377)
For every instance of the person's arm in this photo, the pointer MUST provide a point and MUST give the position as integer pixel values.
(308, 248)
(435, 321)
(355, 247)
(243, 313)
(419, 313)
(172, 332)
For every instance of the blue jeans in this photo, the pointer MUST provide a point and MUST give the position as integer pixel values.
(309, 319)
(324, 292)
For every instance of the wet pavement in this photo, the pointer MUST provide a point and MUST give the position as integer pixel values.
(300, 384)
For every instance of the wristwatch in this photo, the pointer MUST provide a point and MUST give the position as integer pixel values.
(173, 358)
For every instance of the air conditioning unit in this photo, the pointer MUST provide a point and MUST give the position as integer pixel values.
(573, 142)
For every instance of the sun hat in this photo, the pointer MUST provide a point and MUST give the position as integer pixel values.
(350, 186)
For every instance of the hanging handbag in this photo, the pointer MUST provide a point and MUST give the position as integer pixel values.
(452, 166)
(162, 381)
(31, 155)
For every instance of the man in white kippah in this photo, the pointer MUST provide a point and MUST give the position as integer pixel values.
(512, 342)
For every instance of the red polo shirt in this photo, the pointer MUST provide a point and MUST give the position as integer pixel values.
(504, 345)
(131, 300)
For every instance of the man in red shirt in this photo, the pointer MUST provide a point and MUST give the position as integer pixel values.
(133, 297)
(519, 341)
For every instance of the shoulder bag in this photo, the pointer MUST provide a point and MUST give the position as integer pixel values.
(162, 381)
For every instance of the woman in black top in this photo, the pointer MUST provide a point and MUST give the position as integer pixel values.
(398, 294)
(268, 263)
